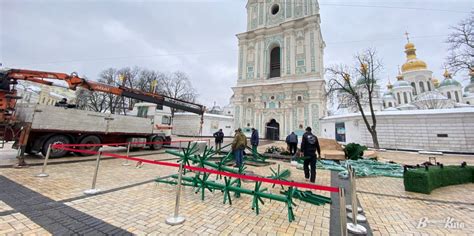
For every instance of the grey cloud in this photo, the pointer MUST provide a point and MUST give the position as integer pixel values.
(199, 36)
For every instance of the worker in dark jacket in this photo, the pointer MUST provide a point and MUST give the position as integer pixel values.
(219, 139)
(309, 146)
(292, 142)
(254, 140)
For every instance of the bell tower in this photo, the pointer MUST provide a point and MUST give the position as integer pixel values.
(280, 84)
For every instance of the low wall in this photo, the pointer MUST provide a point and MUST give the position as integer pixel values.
(445, 130)
(187, 124)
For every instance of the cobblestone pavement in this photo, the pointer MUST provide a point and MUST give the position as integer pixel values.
(133, 203)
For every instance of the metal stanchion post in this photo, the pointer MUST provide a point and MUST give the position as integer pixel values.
(179, 144)
(354, 205)
(351, 174)
(342, 211)
(176, 219)
(93, 190)
(43, 170)
(128, 152)
(353, 227)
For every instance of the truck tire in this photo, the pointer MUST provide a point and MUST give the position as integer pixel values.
(157, 146)
(55, 139)
(91, 139)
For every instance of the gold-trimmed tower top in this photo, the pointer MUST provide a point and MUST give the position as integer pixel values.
(412, 63)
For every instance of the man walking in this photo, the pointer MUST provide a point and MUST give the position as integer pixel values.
(292, 141)
(254, 141)
(238, 146)
(309, 146)
(219, 139)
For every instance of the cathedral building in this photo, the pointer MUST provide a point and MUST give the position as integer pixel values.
(280, 86)
(416, 89)
(418, 113)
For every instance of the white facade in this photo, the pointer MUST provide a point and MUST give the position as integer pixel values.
(43, 94)
(446, 130)
(187, 124)
(416, 88)
(280, 86)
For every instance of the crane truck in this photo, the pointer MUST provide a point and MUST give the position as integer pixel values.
(34, 127)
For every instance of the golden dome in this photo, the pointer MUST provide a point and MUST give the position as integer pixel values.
(363, 68)
(389, 85)
(446, 74)
(399, 76)
(346, 76)
(435, 82)
(409, 46)
(412, 62)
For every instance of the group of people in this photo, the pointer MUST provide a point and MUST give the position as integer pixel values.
(309, 148)
(238, 144)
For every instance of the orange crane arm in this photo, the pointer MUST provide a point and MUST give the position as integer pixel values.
(74, 81)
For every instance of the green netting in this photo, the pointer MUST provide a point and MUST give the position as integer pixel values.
(362, 167)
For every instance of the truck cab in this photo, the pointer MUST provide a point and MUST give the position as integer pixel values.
(161, 116)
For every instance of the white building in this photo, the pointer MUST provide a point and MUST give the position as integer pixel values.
(419, 113)
(43, 94)
(445, 130)
(416, 88)
(188, 124)
(280, 86)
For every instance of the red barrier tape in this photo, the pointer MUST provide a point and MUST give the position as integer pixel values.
(125, 144)
(200, 169)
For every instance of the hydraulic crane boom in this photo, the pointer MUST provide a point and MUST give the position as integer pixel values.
(74, 81)
(27, 139)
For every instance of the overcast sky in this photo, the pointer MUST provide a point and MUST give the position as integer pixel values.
(198, 37)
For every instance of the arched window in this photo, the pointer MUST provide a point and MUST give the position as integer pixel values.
(405, 97)
(414, 87)
(275, 62)
(422, 87)
(399, 100)
(456, 95)
(449, 95)
(389, 104)
(429, 85)
(468, 103)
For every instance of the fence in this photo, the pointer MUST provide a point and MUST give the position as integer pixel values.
(176, 219)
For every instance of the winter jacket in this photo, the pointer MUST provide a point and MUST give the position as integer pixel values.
(292, 138)
(310, 144)
(240, 141)
(254, 138)
(219, 136)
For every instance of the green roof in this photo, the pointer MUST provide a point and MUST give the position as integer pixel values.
(448, 82)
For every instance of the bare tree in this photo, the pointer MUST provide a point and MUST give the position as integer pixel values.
(360, 94)
(98, 102)
(461, 45)
(128, 78)
(115, 104)
(177, 85)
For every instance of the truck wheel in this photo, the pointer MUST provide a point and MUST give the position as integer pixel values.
(157, 146)
(91, 139)
(56, 139)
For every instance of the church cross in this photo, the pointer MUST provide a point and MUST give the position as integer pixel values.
(408, 38)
